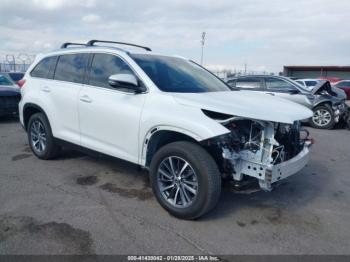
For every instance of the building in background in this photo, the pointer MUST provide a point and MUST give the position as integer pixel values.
(341, 72)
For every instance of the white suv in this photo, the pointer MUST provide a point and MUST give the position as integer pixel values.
(166, 114)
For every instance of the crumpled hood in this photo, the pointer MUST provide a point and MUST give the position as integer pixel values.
(326, 86)
(246, 104)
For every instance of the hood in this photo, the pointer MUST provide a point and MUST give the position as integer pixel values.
(246, 104)
(325, 87)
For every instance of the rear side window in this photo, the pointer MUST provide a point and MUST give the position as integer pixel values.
(71, 68)
(105, 65)
(248, 82)
(45, 68)
(275, 83)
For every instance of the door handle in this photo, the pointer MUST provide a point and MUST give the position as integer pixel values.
(86, 99)
(46, 89)
(270, 94)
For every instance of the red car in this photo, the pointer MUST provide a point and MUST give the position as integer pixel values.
(331, 79)
(345, 85)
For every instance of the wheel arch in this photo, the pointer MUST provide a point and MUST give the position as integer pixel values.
(28, 110)
(160, 136)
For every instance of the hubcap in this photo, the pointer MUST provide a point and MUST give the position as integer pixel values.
(38, 136)
(177, 181)
(322, 117)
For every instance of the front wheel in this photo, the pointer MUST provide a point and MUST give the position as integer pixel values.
(185, 179)
(323, 117)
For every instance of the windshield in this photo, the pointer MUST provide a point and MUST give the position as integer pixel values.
(172, 74)
(4, 81)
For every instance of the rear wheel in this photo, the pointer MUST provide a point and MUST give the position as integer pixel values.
(185, 179)
(323, 117)
(40, 137)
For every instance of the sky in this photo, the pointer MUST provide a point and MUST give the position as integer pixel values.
(263, 35)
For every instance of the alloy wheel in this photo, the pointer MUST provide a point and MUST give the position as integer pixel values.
(322, 117)
(38, 136)
(177, 182)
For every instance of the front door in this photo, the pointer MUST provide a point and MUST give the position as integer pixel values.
(109, 117)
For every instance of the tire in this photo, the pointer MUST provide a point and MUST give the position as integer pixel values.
(40, 138)
(327, 113)
(201, 170)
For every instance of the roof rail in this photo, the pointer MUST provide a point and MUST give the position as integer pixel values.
(92, 42)
(65, 45)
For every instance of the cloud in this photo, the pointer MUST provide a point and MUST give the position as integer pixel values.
(91, 18)
(262, 34)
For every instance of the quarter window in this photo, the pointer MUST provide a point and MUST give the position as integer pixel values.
(105, 65)
(45, 68)
(71, 67)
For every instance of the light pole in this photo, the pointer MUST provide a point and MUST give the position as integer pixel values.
(202, 43)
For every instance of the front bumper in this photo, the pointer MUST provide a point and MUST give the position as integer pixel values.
(340, 111)
(283, 170)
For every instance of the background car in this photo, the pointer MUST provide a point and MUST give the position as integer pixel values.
(15, 76)
(308, 83)
(327, 103)
(9, 96)
(344, 85)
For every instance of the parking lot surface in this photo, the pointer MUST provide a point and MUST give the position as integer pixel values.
(78, 204)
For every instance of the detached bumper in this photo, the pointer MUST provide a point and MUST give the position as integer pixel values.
(281, 171)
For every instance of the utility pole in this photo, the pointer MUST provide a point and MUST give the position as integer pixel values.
(202, 43)
(245, 69)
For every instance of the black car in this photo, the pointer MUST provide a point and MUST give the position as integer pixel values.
(327, 102)
(9, 96)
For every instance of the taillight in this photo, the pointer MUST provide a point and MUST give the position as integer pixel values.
(21, 83)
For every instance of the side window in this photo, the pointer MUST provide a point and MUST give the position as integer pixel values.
(343, 84)
(310, 83)
(248, 82)
(274, 83)
(105, 65)
(45, 68)
(71, 68)
(231, 83)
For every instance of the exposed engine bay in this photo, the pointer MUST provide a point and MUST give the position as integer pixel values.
(259, 149)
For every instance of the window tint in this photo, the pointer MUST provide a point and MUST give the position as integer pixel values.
(71, 68)
(311, 83)
(343, 84)
(103, 66)
(248, 82)
(274, 83)
(173, 74)
(45, 68)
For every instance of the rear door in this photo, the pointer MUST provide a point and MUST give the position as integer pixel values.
(61, 95)
(110, 117)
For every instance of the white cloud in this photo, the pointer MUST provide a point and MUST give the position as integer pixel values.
(91, 18)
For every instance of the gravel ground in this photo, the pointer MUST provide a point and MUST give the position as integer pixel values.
(79, 204)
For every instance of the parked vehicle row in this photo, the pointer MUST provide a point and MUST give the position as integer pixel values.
(166, 114)
(327, 102)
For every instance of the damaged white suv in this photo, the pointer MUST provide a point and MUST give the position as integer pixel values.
(166, 114)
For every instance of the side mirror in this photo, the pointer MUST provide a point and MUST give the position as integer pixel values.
(128, 81)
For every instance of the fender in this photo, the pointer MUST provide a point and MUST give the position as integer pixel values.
(156, 129)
